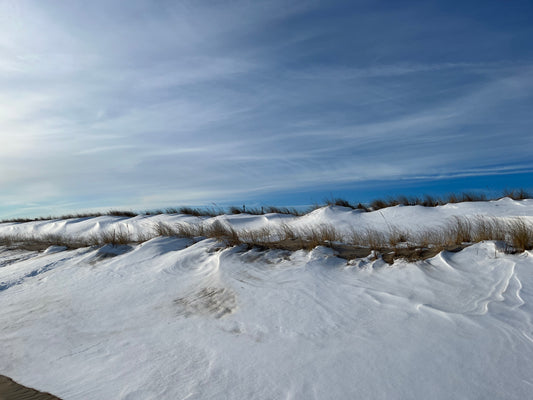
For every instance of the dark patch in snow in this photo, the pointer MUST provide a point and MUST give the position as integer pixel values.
(9, 389)
(109, 251)
(210, 301)
(16, 258)
(35, 272)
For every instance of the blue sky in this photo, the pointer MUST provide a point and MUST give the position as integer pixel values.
(146, 104)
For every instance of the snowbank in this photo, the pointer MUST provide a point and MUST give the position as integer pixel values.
(173, 319)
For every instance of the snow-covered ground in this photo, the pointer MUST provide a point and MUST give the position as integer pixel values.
(345, 220)
(177, 319)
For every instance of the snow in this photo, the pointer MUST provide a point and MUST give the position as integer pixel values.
(343, 219)
(178, 319)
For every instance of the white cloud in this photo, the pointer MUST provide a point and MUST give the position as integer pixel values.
(187, 102)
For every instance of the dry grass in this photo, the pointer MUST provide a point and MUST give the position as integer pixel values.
(489, 229)
(286, 232)
(40, 242)
(397, 236)
(432, 201)
(517, 233)
(223, 233)
(339, 202)
(460, 230)
(114, 236)
(370, 238)
(283, 210)
(164, 229)
(216, 230)
(432, 237)
(374, 205)
(426, 200)
(322, 235)
(255, 236)
(520, 234)
(517, 194)
(122, 213)
(201, 212)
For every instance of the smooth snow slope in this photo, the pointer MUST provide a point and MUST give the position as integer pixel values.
(174, 319)
(166, 321)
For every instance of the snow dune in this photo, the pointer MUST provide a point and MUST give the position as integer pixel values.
(175, 319)
(412, 218)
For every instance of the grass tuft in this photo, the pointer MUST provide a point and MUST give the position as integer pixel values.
(520, 234)
(339, 202)
(517, 233)
(122, 213)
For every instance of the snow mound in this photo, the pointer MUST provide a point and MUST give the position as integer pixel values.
(177, 318)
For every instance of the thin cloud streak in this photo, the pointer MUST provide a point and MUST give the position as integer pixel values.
(122, 105)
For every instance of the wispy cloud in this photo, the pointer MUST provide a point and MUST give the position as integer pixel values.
(194, 102)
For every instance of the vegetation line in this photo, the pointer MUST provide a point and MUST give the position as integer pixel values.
(378, 204)
(514, 235)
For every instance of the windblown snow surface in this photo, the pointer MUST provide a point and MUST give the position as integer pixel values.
(181, 319)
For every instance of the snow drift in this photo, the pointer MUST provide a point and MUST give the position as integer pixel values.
(175, 318)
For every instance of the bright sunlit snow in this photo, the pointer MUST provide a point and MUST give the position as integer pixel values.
(181, 319)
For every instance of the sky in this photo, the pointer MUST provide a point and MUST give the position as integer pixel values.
(146, 104)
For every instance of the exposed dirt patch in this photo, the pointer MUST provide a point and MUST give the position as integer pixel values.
(210, 301)
(415, 253)
(11, 390)
(350, 252)
(389, 254)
